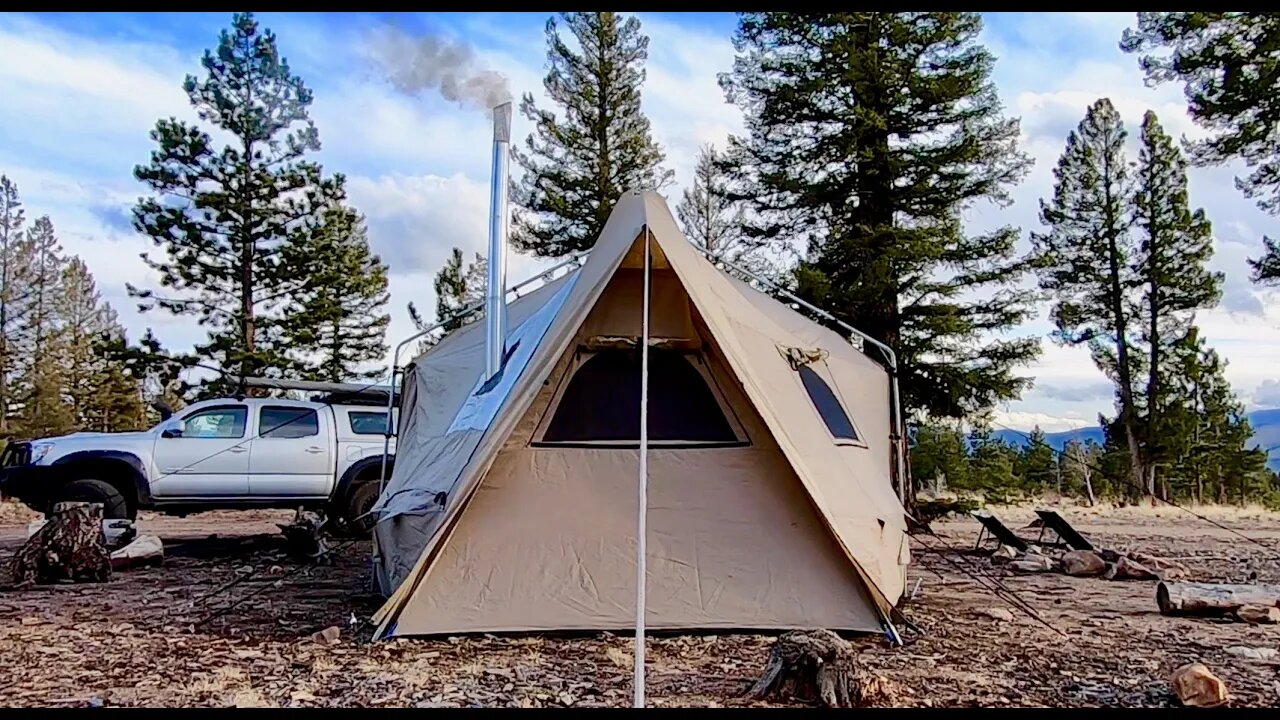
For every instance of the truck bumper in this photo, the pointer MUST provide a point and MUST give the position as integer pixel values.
(29, 483)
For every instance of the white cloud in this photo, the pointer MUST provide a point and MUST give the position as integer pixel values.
(1024, 420)
(1267, 394)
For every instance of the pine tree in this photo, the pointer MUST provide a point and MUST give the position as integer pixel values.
(577, 164)
(939, 457)
(39, 337)
(225, 218)
(991, 464)
(336, 323)
(1078, 464)
(1216, 462)
(1227, 62)
(712, 218)
(868, 135)
(1171, 262)
(15, 285)
(427, 341)
(458, 286)
(157, 372)
(1037, 464)
(103, 397)
(1086, 259)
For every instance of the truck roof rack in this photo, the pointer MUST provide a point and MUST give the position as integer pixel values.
(330, 393)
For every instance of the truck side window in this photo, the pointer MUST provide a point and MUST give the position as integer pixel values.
(220, 423)
(368, 423)
(287, 422)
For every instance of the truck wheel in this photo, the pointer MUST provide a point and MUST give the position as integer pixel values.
(355, 520)
(114, 506)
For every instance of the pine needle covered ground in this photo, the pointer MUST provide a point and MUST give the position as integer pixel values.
(132, 641)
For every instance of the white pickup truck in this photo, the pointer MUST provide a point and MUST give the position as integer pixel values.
(217, 454)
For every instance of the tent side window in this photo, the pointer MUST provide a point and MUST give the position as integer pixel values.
(828, 405)
(600, 404)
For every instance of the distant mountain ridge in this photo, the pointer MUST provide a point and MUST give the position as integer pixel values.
(1265, 423)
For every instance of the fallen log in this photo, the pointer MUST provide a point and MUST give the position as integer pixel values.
(70, 547)
(818, 665)
(1212, 599)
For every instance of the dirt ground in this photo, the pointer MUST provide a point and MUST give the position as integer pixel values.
(155, 636)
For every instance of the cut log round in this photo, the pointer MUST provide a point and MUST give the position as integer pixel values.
(818, 665)
(1212, 599)
(69, 547)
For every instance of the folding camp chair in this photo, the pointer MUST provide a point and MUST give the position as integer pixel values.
(992, 528)
(1067, 534)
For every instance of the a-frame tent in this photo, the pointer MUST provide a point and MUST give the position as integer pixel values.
(512, 503)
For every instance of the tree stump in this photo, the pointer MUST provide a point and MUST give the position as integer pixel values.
(70, 547)
(818, 665)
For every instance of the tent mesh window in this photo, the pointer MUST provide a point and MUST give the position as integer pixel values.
(827, 404)
(601, 403)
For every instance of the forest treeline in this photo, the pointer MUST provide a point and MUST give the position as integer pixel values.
(867, 136)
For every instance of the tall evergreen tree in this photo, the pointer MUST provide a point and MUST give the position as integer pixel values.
(14, 290)
(1215, 462)
(158, 372)
(458, 286)
(1037, 464)
(336, 323)
(992, 462)
(712, 220)
(868, 135)
(1229, 64)
(39, 337)
(224, 218)
(577, 164)
(940, 457)
(102, 396)
(1086, 259)
(1171, 262)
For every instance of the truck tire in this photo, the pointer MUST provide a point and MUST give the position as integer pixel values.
(114, 505)
(355, 520)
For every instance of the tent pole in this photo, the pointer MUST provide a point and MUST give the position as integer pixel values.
(641, 524)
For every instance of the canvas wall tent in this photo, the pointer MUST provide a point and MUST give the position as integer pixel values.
(512, 506)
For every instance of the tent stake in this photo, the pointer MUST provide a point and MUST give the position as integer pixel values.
(641, 524)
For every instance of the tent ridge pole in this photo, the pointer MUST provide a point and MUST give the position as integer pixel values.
(641, 523)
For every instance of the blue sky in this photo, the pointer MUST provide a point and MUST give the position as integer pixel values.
(81, 92)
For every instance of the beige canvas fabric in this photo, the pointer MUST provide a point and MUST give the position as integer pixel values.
(793, 530)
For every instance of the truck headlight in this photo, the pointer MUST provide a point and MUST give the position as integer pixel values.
(38, 451)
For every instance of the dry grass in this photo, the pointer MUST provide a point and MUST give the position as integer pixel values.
(13, 512)
(1148, 509)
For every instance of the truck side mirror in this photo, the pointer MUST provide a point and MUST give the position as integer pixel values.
(163, 408)
(173, 429)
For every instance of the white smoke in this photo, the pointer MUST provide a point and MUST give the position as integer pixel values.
(428, 63)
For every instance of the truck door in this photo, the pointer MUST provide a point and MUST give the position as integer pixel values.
(209, 459)
(292, 455)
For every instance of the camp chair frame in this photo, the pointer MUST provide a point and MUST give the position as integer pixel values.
(994, 529)
(1068, 536)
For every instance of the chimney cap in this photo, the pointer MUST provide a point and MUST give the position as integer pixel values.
(502, 123)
